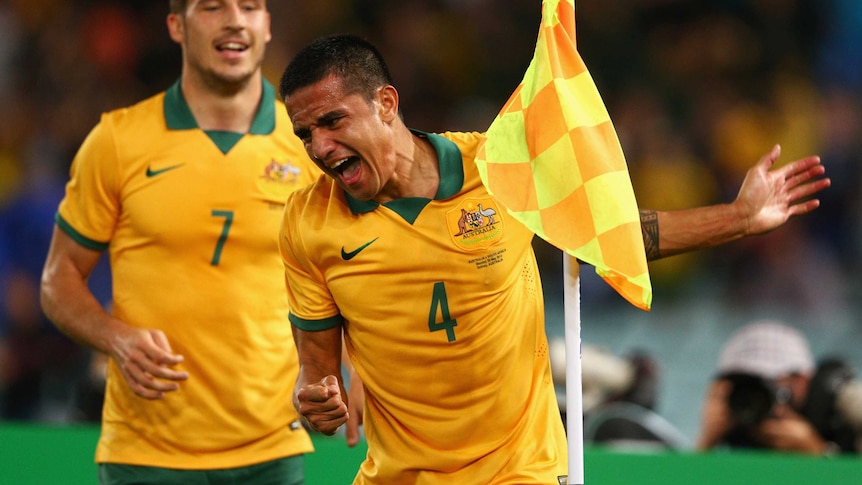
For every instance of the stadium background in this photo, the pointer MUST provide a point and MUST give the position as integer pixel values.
(697, 91)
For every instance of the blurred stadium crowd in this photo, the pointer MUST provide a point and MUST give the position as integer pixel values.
(698, 91)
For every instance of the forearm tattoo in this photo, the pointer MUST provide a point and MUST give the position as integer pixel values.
(649, 228)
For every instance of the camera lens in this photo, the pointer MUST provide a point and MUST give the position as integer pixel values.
(751, 399)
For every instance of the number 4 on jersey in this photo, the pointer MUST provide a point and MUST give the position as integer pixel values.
(439, 301)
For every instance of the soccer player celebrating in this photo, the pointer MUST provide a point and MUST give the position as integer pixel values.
(403, 253)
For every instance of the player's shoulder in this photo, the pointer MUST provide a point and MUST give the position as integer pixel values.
(467, 142)
(144, 110)
(463, 138)
(312, 196)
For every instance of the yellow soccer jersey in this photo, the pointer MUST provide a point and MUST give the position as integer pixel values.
(190, 220)
(442, 307)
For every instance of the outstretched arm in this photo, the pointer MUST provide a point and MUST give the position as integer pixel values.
(766, 200)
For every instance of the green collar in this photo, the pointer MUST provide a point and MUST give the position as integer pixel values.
(451, 164)
(178, 116)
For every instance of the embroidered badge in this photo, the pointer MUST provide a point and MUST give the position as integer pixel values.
(475, 224)
(285, 173)
(277, 180)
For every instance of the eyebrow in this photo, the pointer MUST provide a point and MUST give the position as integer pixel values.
(325, 119)
(301, 132)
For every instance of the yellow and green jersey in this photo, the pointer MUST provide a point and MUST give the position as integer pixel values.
(442, 309)
(190, 219)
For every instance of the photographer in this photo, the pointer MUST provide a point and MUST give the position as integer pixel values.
(769, 394)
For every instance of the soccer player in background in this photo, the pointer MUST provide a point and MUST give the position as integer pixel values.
(434, 287)
(185, 190)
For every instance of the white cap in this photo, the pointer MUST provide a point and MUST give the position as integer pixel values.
(769, 349)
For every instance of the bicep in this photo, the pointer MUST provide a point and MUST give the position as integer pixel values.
(67, 261)
(67, 257)
(65, 297)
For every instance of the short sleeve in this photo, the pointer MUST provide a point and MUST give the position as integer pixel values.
(90, 208)
(312, 307)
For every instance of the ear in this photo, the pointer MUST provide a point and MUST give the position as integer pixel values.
(387, 101)
(268, 27)
(176, 27)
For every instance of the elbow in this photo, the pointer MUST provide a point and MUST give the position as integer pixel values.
(46, 297)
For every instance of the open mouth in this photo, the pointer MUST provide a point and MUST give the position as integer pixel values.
(347, 168)
(344, 164)
(232, 46)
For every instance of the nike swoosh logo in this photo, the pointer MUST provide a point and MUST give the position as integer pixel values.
(347, 256)
(153, 173)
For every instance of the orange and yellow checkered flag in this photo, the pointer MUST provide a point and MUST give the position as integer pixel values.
(553, 159)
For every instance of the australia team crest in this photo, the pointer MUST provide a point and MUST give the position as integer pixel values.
(477, 223)
(282, 173)
(276, 179)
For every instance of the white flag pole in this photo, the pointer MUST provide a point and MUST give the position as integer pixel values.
(574, 395)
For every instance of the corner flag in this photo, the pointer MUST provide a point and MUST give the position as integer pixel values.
(553, 159)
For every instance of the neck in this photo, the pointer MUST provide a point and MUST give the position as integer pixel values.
(224, 107)
(417, 172)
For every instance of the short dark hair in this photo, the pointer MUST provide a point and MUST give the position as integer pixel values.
(178, 6)
(354, 60)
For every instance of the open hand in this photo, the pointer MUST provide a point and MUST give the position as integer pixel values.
(768, 198)
(145, 359)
